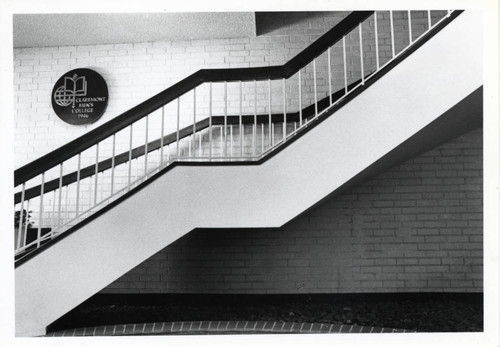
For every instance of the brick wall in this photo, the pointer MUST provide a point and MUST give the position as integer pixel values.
(415, 228)
(137, 71)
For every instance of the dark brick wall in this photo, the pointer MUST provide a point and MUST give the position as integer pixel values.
(415, 228)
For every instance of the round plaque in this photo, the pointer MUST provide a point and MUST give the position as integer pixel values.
(80, 96)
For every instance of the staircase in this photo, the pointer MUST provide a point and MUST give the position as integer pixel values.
(106, 203)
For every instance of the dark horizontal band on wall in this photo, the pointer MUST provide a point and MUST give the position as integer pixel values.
(156, 299)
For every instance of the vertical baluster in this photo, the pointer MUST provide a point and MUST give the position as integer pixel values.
(178, 150)
(361, 54)
(392, 34)
(40, 216)
(162, 134)
(241, 119)
(221, 137)
(315, 90)
(53, 210)
(345, 64)
(59, 222)
(410, 36)
(377, 58)
(96, 172)
(330, 76)
(26, 224)
(145, 150)
(129, 157)
(210, 122)
(90, 193)
(21, 217)
(231, 140)
(225, 120)
(429, 19)
(284, 109)
(200, 150)
(66, 214)
(262, 144)
(113, 159)
(300, 99)
(243, 138)
(78, 184)
(255, 118)
(270, 116)
(194, 122)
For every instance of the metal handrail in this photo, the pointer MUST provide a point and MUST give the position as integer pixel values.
(129, 117)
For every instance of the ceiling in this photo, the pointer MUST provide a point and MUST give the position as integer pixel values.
(43, 30)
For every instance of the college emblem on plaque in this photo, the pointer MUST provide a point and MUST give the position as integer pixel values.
(80, 96)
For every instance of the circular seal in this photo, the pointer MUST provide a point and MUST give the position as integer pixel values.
(80, 96)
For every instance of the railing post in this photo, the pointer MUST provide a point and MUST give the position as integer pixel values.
(90, 192)
(271, 140)
(300, 99)
(255, 118)
(21, 216)
(377, 58)
(145, 150)
(231, 141)
(330, 97)
(210, 122)
(345, 64)
(315, 89)
(40, 217)
(284, 109)
(129, 157)
(225, 120)
(410, 36)
(78, 185)
(60, 193)
(54, 208)
(26, 225)
(113, 159)
(96, 172)
(429, 19)
(162, 134)
(240, 119)
(66, 203)
(361, 54)
(194, 122)
(221, 137)
(392, 34)
(262, 139)
(178, 125)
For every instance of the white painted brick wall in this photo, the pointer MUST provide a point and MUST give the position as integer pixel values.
(137, 71)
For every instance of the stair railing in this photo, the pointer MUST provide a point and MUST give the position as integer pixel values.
(258, 110)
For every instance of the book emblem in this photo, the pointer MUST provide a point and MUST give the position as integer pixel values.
(73, 86)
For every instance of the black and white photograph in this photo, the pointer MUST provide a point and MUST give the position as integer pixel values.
(250, 173)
